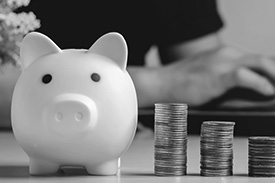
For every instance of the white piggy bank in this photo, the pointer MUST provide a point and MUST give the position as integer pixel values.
(74, 107)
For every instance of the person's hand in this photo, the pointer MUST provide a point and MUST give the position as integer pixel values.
(205, 76)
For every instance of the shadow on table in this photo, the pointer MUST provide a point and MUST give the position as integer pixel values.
(14, 171)
(23, 172)
(137, 174)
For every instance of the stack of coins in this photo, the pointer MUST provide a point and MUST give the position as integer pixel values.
(217, 148)
(170, 139)
(261, 156)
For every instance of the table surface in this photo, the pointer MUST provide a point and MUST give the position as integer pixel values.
(137, 164)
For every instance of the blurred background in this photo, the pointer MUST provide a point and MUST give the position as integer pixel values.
(249, 24)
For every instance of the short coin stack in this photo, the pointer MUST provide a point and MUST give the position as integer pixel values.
(217, 148)
(261, 156)
(170, 139)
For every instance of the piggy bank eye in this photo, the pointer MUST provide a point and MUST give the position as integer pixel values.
(95, 77)
(47, 78)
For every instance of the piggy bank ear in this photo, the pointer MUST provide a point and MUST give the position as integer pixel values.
(35, 45)
(113, 46)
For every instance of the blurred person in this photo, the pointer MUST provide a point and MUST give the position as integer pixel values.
(196, 65)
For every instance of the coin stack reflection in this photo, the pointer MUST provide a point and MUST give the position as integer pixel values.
(170, 139)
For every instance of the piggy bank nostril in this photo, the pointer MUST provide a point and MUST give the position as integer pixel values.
(59, 116)
(78, 116)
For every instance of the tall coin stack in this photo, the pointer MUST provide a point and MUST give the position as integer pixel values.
(170, 139)
(217, 148)
(261, 156)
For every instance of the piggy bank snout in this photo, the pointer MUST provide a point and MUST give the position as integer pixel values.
(70, 113)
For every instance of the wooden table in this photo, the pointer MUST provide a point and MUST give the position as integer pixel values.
(137, 164)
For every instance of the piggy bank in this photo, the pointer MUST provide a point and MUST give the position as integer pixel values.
(74, 107)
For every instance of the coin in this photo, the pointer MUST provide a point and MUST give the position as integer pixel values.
(261, 156)
(170, 146)
(216, 148)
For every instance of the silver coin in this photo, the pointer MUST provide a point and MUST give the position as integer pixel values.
(216, 148)
(170, 147)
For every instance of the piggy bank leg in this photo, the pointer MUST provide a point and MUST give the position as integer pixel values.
(105, 168)
(42, 167)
